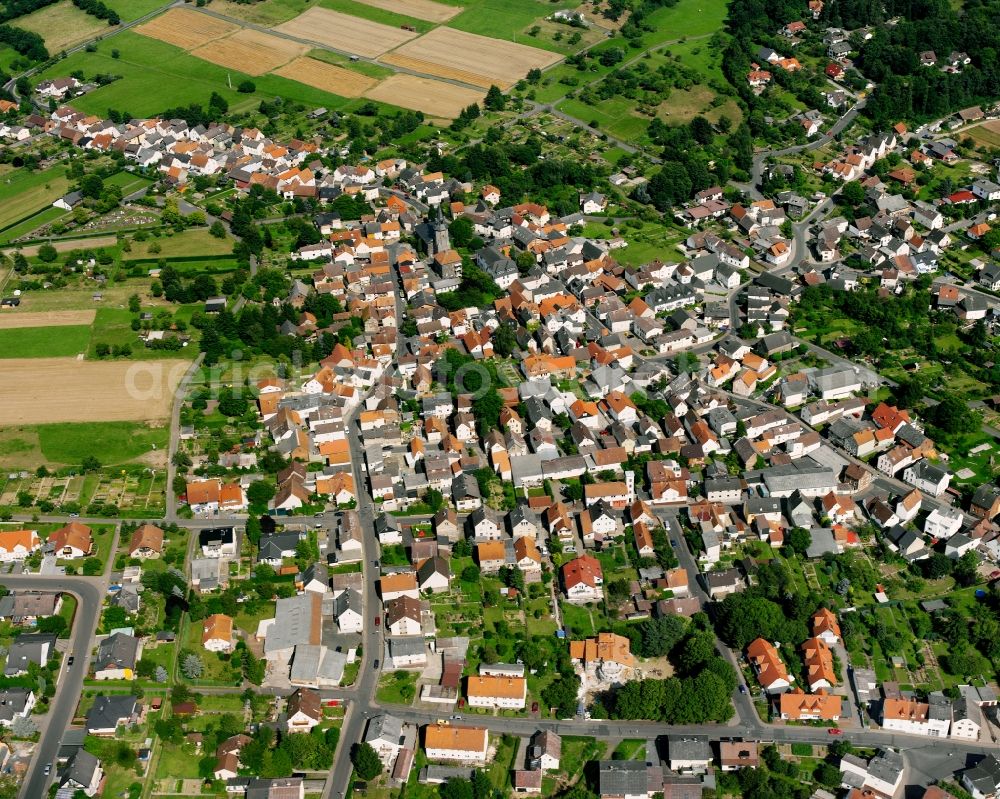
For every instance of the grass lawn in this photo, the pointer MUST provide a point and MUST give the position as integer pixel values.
(362, 67)
(394, 687)
(177, 762)
(23, 228)
(630, 749)
(578, 750)
(44, 342)
(508, 19)
(196, 241)
(24, 192)
(112, 442)
(68, 611)
(651, 241)
(375, 14)
(686, 18)
(128, 182)
(133, 9)
(581, 621)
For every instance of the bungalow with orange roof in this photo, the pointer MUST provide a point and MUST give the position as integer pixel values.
(796, 705)
(497, 692)
(217, 633)
(18, 544)
(455, 743)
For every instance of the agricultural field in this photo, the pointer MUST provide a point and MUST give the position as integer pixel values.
(62, 25)
(469, 58)
(433, 97)
(312, 72)
(196, 241)
(426, 10)
(986, 134)
(345, 32)
(43, 390)
(186, 29)
(24, 192)
(251, 51)
(19, 319)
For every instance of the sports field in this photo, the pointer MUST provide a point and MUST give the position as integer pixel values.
(186, 29)
(338, 80)
(434, 97)
(470, 58)
(45, 390)
(10, 320)
(251, 51)
(420, 9)
(344, 32)
(62, 25)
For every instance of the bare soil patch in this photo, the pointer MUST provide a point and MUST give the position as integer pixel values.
(328, 77)
(470, 58)
(251, 51)
(185, 28)
(418, 9)
(42, 390)
(346, 33)
(65, 245)
(12, 319)
(433, 97)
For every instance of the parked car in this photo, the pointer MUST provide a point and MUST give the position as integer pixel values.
(378, 621)
(743, 689)
(835, 731)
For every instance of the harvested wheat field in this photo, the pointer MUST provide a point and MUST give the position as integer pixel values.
(10, 320)
(469, 58)
(346, 33)
(418, 9)
(62, 25)
(186, 29)
(434, 97)
(329, 78)
(251, 52)
(42, 390)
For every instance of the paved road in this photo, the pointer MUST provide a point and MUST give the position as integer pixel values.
(89, 593)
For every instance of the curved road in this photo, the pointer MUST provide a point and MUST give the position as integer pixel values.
(89, 593)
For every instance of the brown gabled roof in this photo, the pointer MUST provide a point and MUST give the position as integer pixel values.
(307, 701)
(149, 536)
(217, 626)
(74, 535)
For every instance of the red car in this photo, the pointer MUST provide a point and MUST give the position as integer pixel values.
(378, 621)
(534, 707)
(835, 731)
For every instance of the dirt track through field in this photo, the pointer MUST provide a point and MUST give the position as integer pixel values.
(41, 390)
(250, 51)
(65, 245)
(186, 29)
(467, 57)
(418, 9)
(344, 32)
(328, 77)
(434, 97)
(11, 320)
